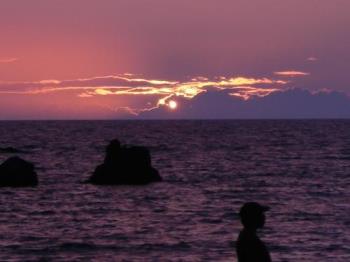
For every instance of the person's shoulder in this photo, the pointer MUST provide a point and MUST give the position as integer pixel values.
(250, 248)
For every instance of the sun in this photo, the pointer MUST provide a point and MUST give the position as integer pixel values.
(172, 104)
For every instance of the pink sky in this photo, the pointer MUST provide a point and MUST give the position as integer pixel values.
(289, 43)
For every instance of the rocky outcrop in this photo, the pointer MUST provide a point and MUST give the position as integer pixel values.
(125, 166)
(9, 150)
(16, 172)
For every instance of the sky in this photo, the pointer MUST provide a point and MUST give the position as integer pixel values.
(110, 59)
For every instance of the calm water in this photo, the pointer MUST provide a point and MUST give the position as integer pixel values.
(301, 169)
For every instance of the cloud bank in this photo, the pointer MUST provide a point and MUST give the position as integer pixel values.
(289, 104)
(128, 86)
(136, 97)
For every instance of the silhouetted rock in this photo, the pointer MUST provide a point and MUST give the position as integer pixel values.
(16, 172)
(9, 150)
(125, 166)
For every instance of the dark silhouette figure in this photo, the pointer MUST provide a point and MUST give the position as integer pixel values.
(16, 172)
(249, 247)
(125, 166)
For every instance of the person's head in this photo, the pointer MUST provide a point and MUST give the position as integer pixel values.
(252, 215)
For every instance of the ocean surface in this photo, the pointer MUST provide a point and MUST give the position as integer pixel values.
(301, 169)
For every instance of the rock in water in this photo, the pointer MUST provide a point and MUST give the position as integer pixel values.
(9, 150)
(16, 172)
(125, 166)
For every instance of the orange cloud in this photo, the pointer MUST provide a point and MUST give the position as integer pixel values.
(291, 73)
(131, 85)
(246, 92)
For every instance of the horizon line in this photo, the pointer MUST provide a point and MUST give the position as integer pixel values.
(175, 119)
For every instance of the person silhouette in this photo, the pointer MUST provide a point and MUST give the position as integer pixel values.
(249, 247)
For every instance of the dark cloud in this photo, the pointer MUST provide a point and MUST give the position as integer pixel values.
(293, 103)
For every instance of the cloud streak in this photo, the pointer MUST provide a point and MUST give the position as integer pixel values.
(8, 60)
(291, 73)
(312, 59)
(133, 85)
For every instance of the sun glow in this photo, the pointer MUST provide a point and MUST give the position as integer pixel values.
(172, 104)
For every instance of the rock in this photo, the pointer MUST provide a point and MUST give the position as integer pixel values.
(16, 172)
(125, 166)
(9, 150)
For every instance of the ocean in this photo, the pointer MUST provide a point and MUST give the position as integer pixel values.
(299, 168)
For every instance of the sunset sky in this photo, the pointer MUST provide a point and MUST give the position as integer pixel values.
(105, 59)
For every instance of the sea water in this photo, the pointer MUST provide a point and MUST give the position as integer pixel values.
(299, 168)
